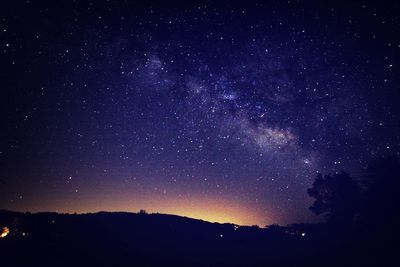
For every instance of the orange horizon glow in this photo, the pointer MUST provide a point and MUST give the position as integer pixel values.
(211, 210)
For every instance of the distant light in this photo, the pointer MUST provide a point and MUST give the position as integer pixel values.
(221, 235)
(303, 234)
(5, 232)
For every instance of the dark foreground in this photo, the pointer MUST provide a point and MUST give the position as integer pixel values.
(128, 239)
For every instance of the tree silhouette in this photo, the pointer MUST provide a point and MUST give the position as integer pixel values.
(336, 196)
(142, 211)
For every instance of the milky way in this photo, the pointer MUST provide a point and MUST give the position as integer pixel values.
(219, 112)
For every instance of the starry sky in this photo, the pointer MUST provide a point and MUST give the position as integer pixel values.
(223, 112)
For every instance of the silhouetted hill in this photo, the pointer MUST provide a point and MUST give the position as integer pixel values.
(134, 239)
(129, 239)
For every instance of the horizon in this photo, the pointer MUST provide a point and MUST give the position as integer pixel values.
(190, 210)
(139, 212)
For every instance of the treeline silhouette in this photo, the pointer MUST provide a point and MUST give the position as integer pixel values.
(362, 213)
(361, 229)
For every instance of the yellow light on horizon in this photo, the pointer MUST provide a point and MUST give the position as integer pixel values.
(220, 210)
(5, 232)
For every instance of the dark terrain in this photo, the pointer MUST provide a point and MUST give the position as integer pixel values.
(128, 239)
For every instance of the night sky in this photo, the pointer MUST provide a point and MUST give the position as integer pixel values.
(220, 112)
